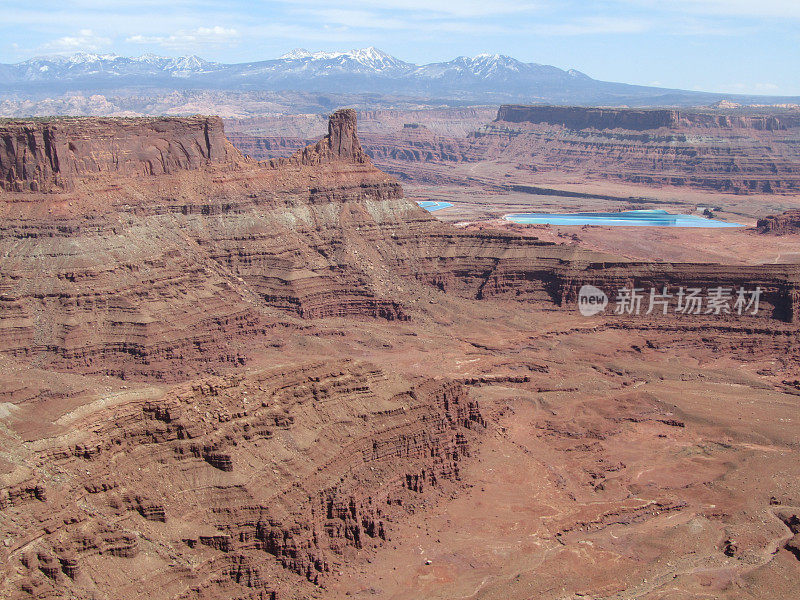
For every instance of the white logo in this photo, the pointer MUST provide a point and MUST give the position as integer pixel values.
(591, 300)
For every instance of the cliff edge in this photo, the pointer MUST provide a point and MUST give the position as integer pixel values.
(51, 154)
(578, 117)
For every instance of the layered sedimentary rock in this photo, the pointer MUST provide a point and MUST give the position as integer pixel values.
(415, 143)
(47, 154)
(261, 147)
(723, 152)
(226, 467)
(151, 276)
(301, 468)
(484, 265)
(165, 276)
(787, 222)
(577, 117)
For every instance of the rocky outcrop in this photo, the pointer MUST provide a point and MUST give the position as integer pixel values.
(234, 246)
(52, 153)
(730, 153)
(322, 460)
(245, 256)
(577, 117)
(787, 222)
(341, 143)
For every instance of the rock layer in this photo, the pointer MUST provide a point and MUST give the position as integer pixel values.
(46, 155)
(787, 222)
(247, 252)
(721, 152)
(577, 117)
(304, 467)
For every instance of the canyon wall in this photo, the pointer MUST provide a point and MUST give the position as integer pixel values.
(47, 154)
(163, 277)
(254, 486)
(155, 277)
(487, 265)
(729, 153)
(577, 117)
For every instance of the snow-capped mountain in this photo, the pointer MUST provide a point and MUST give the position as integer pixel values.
(363, 60)
(84, 65)
(482, 78)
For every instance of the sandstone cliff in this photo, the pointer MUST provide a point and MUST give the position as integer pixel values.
(163, 277)
(731, 153)
(576, 117)
(51, 153)
(787, 222)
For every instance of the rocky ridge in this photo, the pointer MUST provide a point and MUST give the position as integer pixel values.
(380, 447)
(787, 222)
(51, 154)
(731, 153)
(246, 250)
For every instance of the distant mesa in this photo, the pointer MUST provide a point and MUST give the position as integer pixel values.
(743, 151)
(578, 117)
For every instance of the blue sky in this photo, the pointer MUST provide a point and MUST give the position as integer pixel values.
(733, 46)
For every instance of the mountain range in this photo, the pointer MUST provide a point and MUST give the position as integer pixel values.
(482, 78)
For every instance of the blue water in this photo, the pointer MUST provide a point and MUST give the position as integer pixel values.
(431, 205)
(628, 218)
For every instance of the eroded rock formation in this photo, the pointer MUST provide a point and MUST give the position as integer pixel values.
(787, 222)
(51, 154)
(302, 467)
(241, 458)
(722, 152)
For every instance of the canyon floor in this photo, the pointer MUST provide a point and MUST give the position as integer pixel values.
(310, 388)
(477, 207)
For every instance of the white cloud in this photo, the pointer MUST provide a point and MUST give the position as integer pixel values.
(449, 8)
(757, 9)
(358, 19)
(594, 25)
(202, 36)
(85, 40)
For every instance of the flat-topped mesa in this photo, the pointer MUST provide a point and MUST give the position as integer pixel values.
(51, 154)
(577, 117)
(340, 145)
(786, 222)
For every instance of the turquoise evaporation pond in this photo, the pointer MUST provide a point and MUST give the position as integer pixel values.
(628, 218)
(431, 205)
